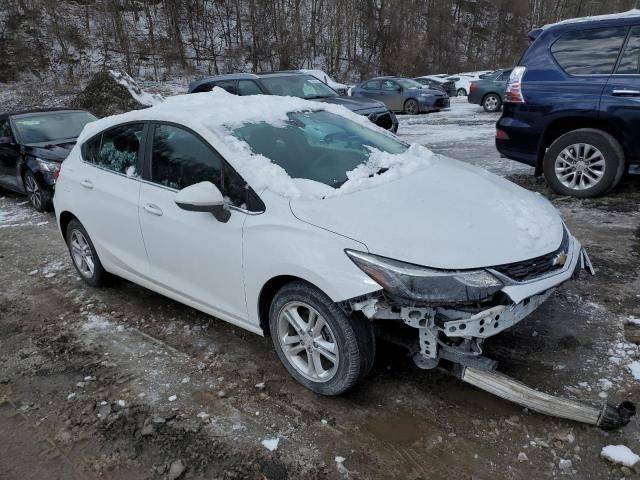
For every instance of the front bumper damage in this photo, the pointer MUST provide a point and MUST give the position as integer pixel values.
(454, 334)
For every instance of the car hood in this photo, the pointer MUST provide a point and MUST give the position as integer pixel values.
(450, 215)
(55, 153)
(354, 104)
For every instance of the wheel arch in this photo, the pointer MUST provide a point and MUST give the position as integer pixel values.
(64, 220)
(560, 126)
(268, 292)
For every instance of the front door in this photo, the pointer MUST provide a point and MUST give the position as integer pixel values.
(192, 254)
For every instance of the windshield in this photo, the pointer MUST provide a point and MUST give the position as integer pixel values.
(303, 86)
(50, 127)
(318, 145)
(408, 83)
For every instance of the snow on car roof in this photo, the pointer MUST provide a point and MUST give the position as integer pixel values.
(218, 112)
(612, 16)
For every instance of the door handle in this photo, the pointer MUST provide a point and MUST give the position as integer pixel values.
(153, 209)
(87, 184)
(626, 93)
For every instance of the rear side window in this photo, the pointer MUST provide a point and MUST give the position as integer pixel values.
(248, 87)
(117, 149)
(630, 62)
(206, 87)
(228, 85)
(589, 52)
(372, 85)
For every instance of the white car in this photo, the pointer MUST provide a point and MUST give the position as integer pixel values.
(305, 221)
(341, 88)
(463, 81)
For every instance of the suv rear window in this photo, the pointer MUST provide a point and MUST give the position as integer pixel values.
(589, 52)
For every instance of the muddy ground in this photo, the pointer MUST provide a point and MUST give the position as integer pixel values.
(121, 383)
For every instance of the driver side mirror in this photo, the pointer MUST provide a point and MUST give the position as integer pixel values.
(203, 197)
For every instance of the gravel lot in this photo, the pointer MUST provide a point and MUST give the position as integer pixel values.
(122, 383)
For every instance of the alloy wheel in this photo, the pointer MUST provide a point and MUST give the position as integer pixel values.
(580, 166)
(491, 103)
(308, 342)
(33, 191)
(411, 107)
(461, 92)
(81, 254)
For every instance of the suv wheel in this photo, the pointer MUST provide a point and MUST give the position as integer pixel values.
(320, 346)
(461, 92)
(411, 107)
(84, 255)
(492, 103)
(35, 193)
(584, 163)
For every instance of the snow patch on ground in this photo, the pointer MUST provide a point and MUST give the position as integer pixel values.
(97, 322)
(271, 444)
(634, 368)
(620, 454)
(13, 215)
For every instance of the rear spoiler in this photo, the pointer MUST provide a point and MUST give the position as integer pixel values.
(535, 33)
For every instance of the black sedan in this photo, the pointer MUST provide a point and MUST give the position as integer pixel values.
(33, 145)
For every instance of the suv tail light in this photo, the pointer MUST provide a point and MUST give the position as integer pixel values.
(513, 93)
(472, 87)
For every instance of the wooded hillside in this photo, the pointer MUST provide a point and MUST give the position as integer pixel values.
(68, 40)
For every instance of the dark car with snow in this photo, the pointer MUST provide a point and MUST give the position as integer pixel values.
(296, 84)
(33, 144)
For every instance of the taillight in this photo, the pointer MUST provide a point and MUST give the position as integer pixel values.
(55, 174)
(513, 93)
(501, 134)
(472, 87)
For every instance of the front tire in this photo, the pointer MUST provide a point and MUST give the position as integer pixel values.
(492, 103)
(84, 256)
(322, 348)
(411, 107)
(35, 192)
(584, 163)
(461, 92)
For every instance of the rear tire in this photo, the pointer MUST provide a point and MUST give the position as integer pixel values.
(492, 103)
(584, 163)
(411, 107)
(322, 348)
(84, 256)
(461, 92)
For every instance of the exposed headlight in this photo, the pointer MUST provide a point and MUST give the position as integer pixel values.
(48, 166)
(427, 284)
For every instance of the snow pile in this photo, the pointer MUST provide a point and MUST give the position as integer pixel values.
(628, 14)
(620, 454)
(139, 95)
(97, 322)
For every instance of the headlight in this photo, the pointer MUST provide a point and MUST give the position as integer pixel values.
(48, 166)
(426, 284)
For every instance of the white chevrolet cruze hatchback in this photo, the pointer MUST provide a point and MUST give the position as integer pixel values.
(307, 222)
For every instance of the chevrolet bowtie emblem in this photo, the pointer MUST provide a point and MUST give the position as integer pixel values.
(560, 259)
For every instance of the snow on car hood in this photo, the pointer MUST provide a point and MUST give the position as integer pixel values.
(449, 215)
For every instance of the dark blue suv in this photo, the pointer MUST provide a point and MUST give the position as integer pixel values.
(572, 105)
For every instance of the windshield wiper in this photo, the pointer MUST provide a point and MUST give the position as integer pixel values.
(376, 173)
(318, 96)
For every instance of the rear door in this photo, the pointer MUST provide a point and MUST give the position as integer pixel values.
(620, 104)
(371, 89)
(391, 95)
(107, 191)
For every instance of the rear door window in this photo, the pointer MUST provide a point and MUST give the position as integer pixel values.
(630, 61)
(119, 149)
(228, 85)
(589, 52)
(389, 85)
(372, 85)
(248, 87)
